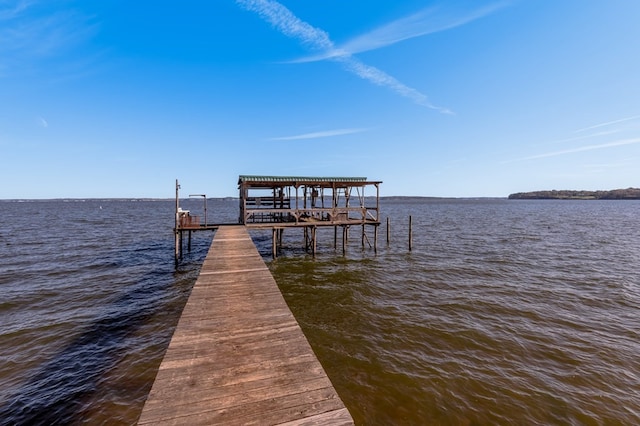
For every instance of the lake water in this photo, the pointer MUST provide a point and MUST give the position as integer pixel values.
(504, 312)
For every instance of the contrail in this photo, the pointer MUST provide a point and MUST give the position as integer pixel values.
(290, 25)
(582, 149)
(607, 124)
(316, 135)
(432, 19)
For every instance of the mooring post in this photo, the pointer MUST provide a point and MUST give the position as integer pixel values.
(274, 243)
(313, 236)
(177, 247)
(306, 238)
(375, 238)
(410, 233)
(388, 230)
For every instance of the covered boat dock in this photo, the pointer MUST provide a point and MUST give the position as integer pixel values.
(280, 202)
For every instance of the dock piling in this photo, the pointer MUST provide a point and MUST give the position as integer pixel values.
(375, 239)
(388, 230)
(274, 243)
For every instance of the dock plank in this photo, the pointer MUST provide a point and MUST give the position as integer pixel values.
(238, 356)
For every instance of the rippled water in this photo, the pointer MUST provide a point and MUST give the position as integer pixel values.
(504, 312)
(89, 300)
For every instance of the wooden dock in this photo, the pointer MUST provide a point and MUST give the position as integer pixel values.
(238, 356)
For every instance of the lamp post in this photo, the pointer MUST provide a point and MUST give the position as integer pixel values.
(205, 205)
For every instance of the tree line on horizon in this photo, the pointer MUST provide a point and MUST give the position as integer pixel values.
(614, 194)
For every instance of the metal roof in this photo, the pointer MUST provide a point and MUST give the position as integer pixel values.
(327, 182)
(300, 179)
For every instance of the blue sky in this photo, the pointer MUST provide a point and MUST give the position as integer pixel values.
(435, 98)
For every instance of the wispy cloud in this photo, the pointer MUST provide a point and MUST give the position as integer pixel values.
(42, 122)
(587, 136)
(317, 135)
(31, 31)
(318, 40)
(426, 21)
(609, 123)
(11, 9)
(606, 167)
(613, 144)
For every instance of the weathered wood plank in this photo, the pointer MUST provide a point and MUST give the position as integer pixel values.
(337, 417)
(238, 356)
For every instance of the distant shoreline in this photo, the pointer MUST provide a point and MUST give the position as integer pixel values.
(615, 194)
(134, 199)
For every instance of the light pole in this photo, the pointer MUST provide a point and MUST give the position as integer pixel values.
(205, 205)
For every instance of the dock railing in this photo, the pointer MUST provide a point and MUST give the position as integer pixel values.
(329, 216)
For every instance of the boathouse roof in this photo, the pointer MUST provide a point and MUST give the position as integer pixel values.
(301, 180)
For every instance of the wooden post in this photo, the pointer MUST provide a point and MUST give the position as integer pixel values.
(306, 238)
(410, 233)
(274, 243)
(388, 230)
(189, 244)
(344, 239)
(313, 237)
(375, 238)
(363, 236)
(335, 237)
(377, 202)
(297, 212)
(177, 247)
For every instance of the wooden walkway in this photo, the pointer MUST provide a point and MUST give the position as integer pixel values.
(238, 356)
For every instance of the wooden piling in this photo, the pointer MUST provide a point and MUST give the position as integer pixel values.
(274, 243)
(313, 238)
(388, 230)
(344, 240)
(375, 239)
(306, 238)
